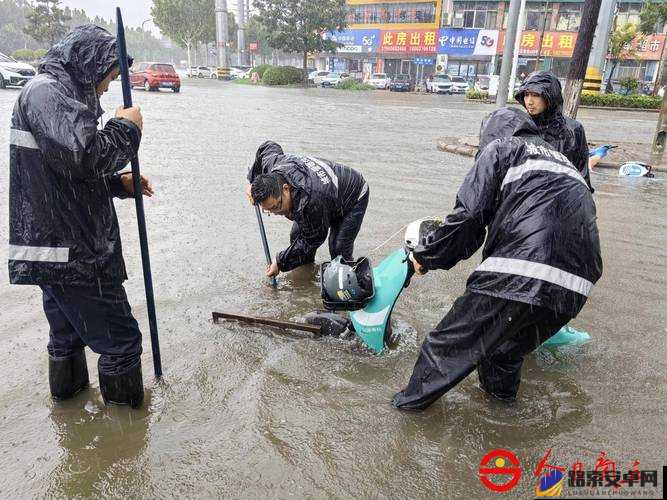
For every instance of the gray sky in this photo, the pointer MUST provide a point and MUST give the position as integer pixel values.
(134, 11)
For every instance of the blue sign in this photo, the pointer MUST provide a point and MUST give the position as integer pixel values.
(426, 61)
(457, 42)
(356, 41)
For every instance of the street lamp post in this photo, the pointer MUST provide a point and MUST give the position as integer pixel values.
(143, 35)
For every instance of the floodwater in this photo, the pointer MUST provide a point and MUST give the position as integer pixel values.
(251, 412)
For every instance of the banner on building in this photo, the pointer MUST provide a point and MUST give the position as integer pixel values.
(467, 42)
(554, 43)
(356, 41)
(409, 41)
(645, 48)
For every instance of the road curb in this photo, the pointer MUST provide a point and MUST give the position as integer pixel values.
(603, 108)
(471, 151)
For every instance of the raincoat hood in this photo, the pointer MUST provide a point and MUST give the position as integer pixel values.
(86, 56)
(506, 122)
(546, 85)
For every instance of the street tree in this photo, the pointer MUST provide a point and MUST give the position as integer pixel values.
(186, 22)
(47, 22)
(298, 25)
(652, 15)
(620, 47)
(582, 50)
(257, 33)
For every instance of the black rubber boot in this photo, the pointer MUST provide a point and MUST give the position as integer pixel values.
(67, 375)
(123, 388)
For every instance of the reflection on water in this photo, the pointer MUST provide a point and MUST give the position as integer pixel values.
(99, 446)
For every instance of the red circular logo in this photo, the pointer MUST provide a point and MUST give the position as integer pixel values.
(495, 465)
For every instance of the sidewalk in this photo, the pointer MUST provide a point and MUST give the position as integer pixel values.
(626, 151)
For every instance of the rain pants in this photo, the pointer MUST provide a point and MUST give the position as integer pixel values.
(327, 197)
(535, 215)
(63, 230)
(563, 133)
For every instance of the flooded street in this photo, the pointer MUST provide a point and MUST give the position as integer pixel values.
(254, 412)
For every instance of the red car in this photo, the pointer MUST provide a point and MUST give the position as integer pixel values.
(153, 76)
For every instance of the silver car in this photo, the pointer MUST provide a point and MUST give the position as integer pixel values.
(439, 84)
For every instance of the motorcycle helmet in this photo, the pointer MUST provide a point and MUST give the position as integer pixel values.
(345, 285)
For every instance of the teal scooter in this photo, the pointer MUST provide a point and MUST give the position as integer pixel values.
(370, 320)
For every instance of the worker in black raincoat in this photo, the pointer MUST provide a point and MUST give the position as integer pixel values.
(541, 95)
(320, 196)
(63, 230)
(541, 258)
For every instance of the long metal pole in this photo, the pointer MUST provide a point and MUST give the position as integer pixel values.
(139, 202)
(265, 242)
(241, 33)
(517, 47)
(508, 52)
(221, 33)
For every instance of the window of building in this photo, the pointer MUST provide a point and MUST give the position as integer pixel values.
(477, 14)
(391, 13)
(627, 13)
(536, 14)
(569, 17)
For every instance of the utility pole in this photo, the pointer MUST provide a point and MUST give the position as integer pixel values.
(544, 28)
(598, 56)
(221, 32)
(517, 47)
(508, 52)
(241, 33)
(582, 49)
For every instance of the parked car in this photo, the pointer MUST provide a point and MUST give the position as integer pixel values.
(321, 75)
(482, 84)
(199, 72)
(312, 74)
(401, 83)
(14, 73)
(239, 71)
(153, 76)
(459, 85)
(439, 84)
(379, 81)
(332, 79)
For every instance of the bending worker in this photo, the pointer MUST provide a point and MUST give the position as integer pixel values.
(320, 196)
(541, 258)
(63, 230)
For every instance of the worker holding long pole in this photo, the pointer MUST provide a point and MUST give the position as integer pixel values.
(64, 235)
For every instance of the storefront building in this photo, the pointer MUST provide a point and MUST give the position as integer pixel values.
(466, 38)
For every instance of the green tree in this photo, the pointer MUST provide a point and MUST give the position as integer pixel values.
(620, 47)
(297, 25)
(259, 34)
(47, 22)
(651, 15)
(186, 22)
(12, 21)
